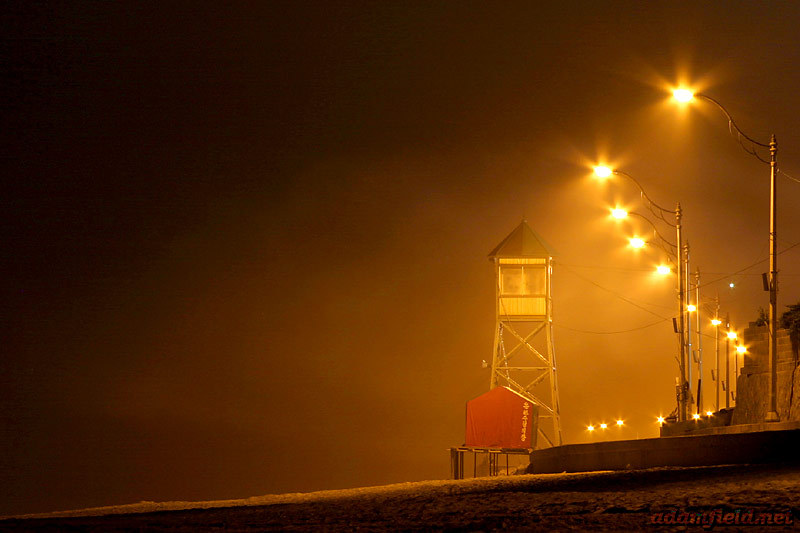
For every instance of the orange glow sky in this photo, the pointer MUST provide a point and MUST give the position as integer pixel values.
(244, 248)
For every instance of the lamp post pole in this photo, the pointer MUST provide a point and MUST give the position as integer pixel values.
(772, 413)
(682, 267)
(699, 342)
(682, 412)
(681, 254)
(716, 351)
(716, 323)
(689, 351)
(685, 95)
(728, 361)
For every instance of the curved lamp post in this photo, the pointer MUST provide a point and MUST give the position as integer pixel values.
(685, 96)
(660, 212)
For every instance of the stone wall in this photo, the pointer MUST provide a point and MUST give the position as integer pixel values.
(752, 385)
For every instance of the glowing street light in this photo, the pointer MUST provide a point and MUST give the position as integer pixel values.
(603, 426)
(741, 349)
(732, 335)
(590, 428)
(691, 308)
(619, 213)
(663, 270)
(620, 423)
(660, 420)
(602, 171)
(716, 322)
(696, 416)
(636, 242)
(709, 413)
(685, 95)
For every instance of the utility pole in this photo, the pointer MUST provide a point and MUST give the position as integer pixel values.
(699, 342)
(716, 323)
(728, 361)
(772, 413)
(689, 352)
(682, 411)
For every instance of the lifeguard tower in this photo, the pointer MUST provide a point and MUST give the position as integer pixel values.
(524, 359)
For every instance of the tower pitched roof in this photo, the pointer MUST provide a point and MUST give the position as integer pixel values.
(523, 242)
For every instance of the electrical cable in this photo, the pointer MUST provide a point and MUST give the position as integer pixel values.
(706, 284)
(611, 332)
(789, 176)
(624, 299)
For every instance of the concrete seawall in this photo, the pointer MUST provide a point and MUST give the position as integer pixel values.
(754, 447)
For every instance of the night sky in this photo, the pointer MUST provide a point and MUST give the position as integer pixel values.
(243, 247)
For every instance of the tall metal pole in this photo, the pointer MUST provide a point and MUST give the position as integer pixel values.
(735, 373)
(689, 354)
(772, 414)
(699, 341)
(716, 351)
(682, 411)
(772, 410)
(728, 361)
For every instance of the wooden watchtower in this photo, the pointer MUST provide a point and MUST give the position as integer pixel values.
(524, 359)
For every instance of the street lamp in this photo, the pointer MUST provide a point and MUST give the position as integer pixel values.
(636, 242)
(685, 95)
(716, 323)
(680, 253)
(603, 171)
(619, 213)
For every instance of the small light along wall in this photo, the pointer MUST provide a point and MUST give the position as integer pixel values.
(523, 287)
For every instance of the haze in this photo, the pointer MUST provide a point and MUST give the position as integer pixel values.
(243, 247)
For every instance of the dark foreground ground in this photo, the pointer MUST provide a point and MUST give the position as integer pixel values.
(617, 501)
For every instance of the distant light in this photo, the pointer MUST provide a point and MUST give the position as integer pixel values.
(660, 419)
(636, 242)
(663, 270)
(619, 213)
(691, 308)
(709, 413)
(602, 171)
(603, 425)
(620, 423)
(731, 284)
(696, 416)
(741, 349)
(683, 95)
(716, 321)
(732, 335)
(590, 428)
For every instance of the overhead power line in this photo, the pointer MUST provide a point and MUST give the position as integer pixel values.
(556, 324)
(616, 294)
